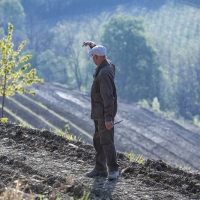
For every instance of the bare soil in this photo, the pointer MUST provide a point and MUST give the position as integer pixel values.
(143, 130)
(47, 164)
(36, 161)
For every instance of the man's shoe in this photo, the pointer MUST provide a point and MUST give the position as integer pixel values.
(113, 175)
(95, 172)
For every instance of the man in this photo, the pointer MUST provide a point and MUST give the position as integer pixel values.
(103, 111)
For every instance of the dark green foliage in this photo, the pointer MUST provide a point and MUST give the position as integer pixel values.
(138, 71)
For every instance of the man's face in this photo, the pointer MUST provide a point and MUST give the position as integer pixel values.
(95, 59)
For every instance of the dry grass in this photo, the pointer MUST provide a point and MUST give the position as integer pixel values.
(18, 193)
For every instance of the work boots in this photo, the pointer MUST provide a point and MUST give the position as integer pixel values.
(96, 172)
(113, 175)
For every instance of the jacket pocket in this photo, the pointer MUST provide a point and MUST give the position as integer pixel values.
(96, 97)
(97, 112)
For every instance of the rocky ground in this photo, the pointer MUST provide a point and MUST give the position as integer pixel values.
(34, 162)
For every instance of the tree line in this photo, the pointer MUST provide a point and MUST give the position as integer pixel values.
(54, 33)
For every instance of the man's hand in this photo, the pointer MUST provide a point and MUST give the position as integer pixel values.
(89, 43)
(109, 125)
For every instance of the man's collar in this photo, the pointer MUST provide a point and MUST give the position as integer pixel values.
(103, 64)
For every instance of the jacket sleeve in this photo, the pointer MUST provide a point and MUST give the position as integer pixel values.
(106, 90)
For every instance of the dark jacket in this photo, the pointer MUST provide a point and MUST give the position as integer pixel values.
(103, 92)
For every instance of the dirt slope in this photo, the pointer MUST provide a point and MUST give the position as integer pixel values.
(40, 162)
(142, 131)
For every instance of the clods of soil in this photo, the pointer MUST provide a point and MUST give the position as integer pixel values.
(37, 163)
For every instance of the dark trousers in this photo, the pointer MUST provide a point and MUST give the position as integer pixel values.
(103, 142)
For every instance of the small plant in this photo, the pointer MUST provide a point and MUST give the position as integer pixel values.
(144, 103)
(70, 136)
(4, 120)
(24, 124)
(169, 114)
(130, 156)
(67, 128)
(59, 132)
(196, 121)
(74, 138)
(139, 159)
(12, 70)
(156, 104)
(86, 195)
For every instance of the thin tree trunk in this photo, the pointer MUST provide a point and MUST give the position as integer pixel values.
(2, 113)
(3, 98)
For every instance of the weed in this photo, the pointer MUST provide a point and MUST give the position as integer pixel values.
(74, 138)
(4, 120)
(144, 103)
(196, 121)
(86, 196)
(67, 128)
(24, 124)
(140, 159)
(156, 104)
(132, 157)
(169, 114)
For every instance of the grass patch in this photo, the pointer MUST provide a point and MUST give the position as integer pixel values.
(135, 158)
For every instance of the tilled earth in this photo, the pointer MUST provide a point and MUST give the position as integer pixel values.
(34, 162)
(142, 131)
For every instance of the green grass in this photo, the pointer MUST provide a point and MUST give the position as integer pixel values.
(135, 158)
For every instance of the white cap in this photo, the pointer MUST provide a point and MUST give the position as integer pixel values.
(98, 50)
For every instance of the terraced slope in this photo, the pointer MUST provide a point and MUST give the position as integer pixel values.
(142, 131)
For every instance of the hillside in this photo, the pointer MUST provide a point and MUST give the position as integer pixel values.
(35, 164)
(142, 131)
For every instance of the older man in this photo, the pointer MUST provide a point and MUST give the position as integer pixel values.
(104, 109)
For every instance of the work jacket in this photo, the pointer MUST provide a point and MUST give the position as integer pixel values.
(103, 92)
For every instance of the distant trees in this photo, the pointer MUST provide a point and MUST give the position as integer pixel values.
(190, 2)
(51, 67)
(138, 71)
(55, 29)
(178, 45)
(11, 11)
(67, 44)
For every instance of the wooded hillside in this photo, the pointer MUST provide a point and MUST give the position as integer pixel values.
(162, 64)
